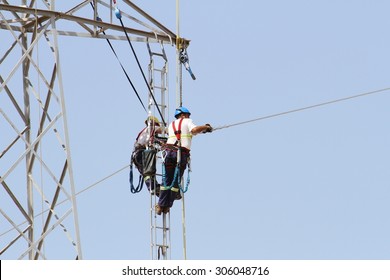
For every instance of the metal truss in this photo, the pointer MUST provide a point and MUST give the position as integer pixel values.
(38, 209)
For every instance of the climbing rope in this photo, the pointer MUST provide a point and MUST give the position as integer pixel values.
(303, 108)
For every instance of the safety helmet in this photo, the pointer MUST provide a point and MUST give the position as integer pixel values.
(181, 110)
(153, 119)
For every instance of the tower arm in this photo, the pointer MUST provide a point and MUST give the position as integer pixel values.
(45, 15)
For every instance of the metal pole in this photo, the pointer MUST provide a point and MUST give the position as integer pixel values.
(179, 102)
(183, 219)
(67, 145)
(30, 198)
(179, 99)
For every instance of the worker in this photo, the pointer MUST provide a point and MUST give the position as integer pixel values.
(180, 134)
(145, 139)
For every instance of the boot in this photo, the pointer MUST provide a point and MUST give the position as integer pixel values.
(158, 209)
(178, 196)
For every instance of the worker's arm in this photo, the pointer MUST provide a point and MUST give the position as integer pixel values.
(201, 129)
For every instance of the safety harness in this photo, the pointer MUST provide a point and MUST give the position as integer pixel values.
(176, 177)
(177, 132)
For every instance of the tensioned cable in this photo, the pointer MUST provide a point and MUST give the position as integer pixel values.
(83, 190)
(98, 182)
(127, 76)
(118, 15)
(123, 68)
(226, 126)
(303, 108)
(235, 124)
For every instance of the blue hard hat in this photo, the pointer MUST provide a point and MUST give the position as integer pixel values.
(181, 110)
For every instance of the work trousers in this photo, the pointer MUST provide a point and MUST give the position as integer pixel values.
(168, 191)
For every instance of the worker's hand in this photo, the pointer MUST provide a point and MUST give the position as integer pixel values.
(208, 129)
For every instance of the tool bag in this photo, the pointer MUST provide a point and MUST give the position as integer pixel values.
(149, 162)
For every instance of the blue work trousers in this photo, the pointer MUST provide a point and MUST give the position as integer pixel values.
(168, 194)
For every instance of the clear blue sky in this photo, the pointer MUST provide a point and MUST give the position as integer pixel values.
(308, 185)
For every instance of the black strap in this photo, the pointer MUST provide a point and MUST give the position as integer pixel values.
(140, 182)
(142, 72)
(123, 68)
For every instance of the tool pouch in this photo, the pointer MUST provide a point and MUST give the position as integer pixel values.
(149, 162)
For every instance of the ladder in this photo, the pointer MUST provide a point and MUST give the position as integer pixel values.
(160, 244)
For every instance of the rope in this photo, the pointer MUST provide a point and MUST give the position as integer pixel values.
(303, 108)
(124, 71)
(119, 16)
(100, 181)
(184, 190)
(120, 63)
(140, 182)
(183, 222)
(63, 201)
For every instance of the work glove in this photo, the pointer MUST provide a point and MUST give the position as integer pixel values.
(209, 128)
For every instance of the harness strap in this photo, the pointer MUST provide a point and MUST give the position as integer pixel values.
(151, 136)
(177, 131)
(176, 176)
(139, 134)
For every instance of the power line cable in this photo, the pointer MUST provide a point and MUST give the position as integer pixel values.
(303, 108)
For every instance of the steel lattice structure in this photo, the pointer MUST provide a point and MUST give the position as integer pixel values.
(38, 208)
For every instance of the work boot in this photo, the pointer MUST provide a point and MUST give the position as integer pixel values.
(165, 210)
(158, 209)
(178, 196)
(158, 191)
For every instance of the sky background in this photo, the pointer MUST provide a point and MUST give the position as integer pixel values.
(307, 185)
